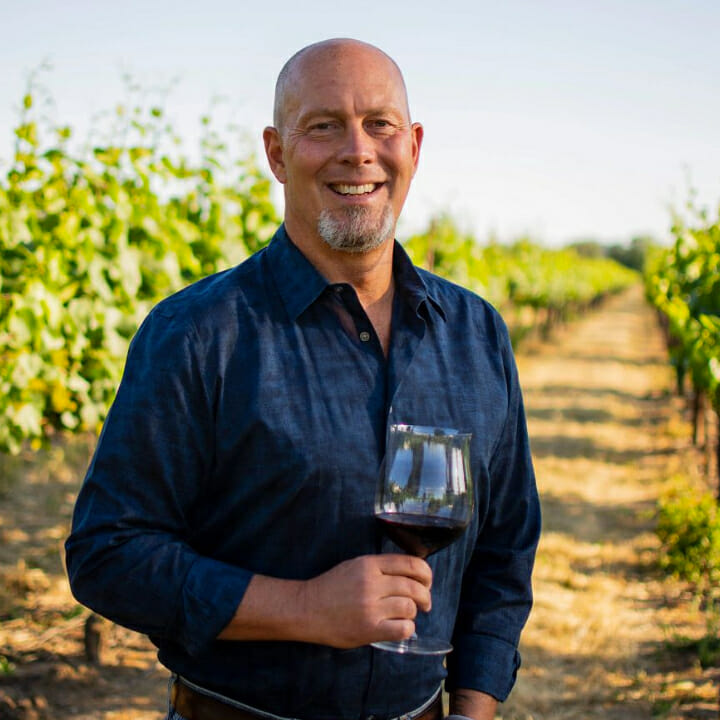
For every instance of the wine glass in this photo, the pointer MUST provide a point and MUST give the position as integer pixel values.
(424, 501)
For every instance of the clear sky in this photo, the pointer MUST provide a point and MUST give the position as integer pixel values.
(559, 119)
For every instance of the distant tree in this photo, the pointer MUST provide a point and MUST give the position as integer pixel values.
(588, 248)
(634, 254)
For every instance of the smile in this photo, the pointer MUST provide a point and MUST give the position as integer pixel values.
(343, 189)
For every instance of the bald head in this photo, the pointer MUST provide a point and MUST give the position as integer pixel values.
(328, 51)
(343, 146)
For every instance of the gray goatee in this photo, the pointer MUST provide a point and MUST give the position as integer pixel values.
(355, 229)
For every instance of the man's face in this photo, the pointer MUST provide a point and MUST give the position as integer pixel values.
(346, 150)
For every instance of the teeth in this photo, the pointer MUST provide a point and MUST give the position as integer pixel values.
(354, 189)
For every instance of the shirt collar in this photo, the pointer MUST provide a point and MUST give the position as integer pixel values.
(297, 281)
(299, 284)
(411, 284)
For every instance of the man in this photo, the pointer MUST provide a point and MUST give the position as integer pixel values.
(228, 510)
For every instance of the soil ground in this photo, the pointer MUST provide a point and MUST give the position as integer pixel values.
(605, 637)
(608, 437)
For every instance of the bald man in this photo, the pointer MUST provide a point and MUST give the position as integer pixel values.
(228, 510)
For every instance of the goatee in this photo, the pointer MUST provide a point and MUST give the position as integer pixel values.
(355, 229)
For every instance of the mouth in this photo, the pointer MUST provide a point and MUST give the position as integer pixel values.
(346, 189)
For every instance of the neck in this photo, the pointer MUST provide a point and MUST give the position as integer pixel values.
(370, 273)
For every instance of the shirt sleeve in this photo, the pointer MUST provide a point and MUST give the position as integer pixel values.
(130, 555)
(496, 594)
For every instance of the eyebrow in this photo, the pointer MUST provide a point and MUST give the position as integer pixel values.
(316, 113)
(330, 112)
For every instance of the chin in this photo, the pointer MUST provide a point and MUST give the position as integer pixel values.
(356, 229)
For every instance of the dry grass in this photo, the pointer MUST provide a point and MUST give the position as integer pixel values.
(606, 437)
(43, 670)
(606, 434)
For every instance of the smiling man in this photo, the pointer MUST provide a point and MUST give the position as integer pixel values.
(228, 510)
(346, 158)
(346, 151)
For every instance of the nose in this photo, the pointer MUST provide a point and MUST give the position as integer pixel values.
(357, 146)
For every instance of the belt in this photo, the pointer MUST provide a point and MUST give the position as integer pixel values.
(195, 705)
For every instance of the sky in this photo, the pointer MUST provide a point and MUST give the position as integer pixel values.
(559, 120)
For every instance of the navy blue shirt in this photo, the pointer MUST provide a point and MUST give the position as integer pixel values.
(246, 437)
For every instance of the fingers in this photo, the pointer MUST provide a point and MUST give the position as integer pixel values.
(407, 589)
(395, 630)
(407, 566)
(397, 607)
(368, 598)
(407, 576)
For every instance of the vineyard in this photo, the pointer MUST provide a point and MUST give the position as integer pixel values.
(683, 283)
(534, 287)
(93, 234)
(90, 242)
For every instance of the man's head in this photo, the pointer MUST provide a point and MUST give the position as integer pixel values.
(343, 144)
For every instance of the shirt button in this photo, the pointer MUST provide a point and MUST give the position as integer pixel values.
(364, 335)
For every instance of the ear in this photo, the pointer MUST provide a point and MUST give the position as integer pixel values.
(274, 153)
(418, 132)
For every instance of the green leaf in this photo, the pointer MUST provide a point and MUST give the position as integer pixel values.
(27, 418)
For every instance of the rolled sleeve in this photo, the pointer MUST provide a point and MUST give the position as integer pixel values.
(484, 663)
(210, 595)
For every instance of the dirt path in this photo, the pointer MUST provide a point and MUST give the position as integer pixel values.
(605, 433)
(44, 674)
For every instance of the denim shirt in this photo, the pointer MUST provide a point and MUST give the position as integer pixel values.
(246, 437)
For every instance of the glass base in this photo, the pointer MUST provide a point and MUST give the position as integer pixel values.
(415, 646)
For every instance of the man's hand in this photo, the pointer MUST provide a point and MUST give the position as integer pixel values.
(359, 601)
(374, 597)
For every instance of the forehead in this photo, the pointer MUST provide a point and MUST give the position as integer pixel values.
(342, 77)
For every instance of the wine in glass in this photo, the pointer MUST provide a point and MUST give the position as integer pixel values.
(424, 501)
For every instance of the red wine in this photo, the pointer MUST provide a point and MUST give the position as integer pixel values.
(420, 535)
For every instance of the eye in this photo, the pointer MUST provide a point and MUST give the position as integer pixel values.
(381, 126)
(322, 126)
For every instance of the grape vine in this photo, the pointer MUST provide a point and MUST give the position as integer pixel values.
(683, 283)
(90, 240)
(534, 287)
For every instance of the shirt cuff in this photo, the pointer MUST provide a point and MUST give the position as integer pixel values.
(211, 594)
(483, 663)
